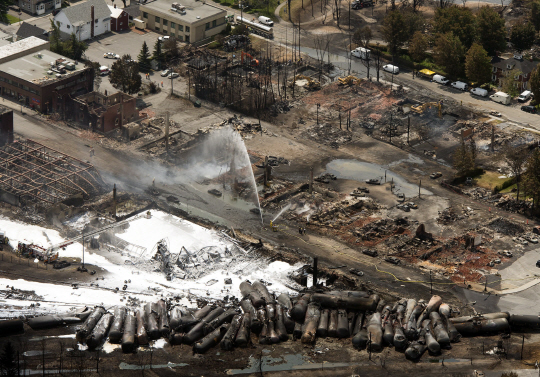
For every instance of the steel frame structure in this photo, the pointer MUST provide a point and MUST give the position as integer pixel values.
(34, 172)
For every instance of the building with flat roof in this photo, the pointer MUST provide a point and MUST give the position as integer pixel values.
(44, 80)
(191, 21)
(22, 48)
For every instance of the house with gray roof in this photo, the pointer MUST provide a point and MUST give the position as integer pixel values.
(78, 20)
(501, 68)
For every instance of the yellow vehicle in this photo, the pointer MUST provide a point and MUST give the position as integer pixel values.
(421, 108)
(349, 80)
(311, 83)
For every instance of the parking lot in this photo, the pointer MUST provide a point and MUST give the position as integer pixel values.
(123, 43)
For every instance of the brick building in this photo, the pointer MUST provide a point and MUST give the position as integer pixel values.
(102, 112)
(119, 19)
(501, 68)
(44, 80)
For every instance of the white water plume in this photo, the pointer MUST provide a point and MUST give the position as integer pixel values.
(281, 212)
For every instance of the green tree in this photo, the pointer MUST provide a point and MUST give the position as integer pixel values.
(55, 40)
(158, 55)
(418, 46)
(392, 31)
(515, 158)
(8, 364)
(73, 48)
(449, 53)
(458, 20)
(531, 177)
(125, 75)
(535, 14)
(491, 30)
(241, 29)
(510, 83)
(534, 82)
(171, 49)
(522, 36)
(144, 58)
(413, 22)
(97, 74)
(478, 65)
(464, 158)
(362, 36)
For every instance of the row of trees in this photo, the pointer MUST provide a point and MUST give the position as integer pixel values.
(462, 42)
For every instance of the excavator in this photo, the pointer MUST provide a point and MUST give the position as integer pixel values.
(421, 108)
(349, 80)
(252, 61)
(311, 84)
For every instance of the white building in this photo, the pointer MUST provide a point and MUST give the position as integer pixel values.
(77, 19)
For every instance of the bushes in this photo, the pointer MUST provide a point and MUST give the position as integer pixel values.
(509, 182)
(471, 173)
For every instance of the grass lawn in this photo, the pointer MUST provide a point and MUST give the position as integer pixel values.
(489, 180)
(12, 19)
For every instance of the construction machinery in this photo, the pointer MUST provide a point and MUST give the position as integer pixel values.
(311, 83)
(252, 61)
(349, 80)
(419, 109)
(34, 251)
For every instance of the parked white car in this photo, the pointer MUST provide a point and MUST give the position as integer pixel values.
(166, 72)
(440, 79)
(361, 53)
(479, 92)
(173, 75)
(111, 55)
(164, 38)
(460, 85)
(391, 68)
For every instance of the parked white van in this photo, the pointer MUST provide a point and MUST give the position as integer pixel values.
(361, 53)
(391, 68)
(460, 85)
(501, 97)
(525, 96)
(440, 79)
(266, 21)
(479, 92)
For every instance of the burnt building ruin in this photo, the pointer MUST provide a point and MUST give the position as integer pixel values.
(104, 113)
(31, 172)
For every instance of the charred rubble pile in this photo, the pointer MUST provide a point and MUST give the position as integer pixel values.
(371, 323)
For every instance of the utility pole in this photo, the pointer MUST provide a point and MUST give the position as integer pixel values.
(419, 188)
(167, 132)
(430, 282)
(318, 106)
(408, 127)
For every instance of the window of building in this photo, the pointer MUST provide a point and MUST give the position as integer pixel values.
(187, 29)
(494, 69)
(157, 28)
(158, 19)
(214, 23)
(68, 26)
(207, 25)
(96, 21)
(180, 27)
(145, 15)
(187, 38)
(172, 35)
(165, 22)
(173, 25)
(180, 38)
